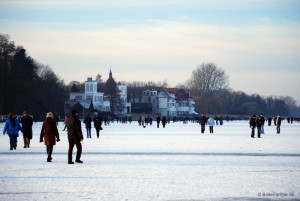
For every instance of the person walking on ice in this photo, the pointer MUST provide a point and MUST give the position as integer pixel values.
(278, 124)
(74, 136)
(202, 122)
(26, 122)
(12, 127)
(252, 124)
(211, 123)
(50, 134)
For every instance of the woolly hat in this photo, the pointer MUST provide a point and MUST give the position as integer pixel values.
(49, 114)
(74, 112)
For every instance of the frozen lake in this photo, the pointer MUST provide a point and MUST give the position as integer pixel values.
(130, 162)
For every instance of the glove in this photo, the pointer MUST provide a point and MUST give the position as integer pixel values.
(3, 133)
(57, 140)
(41, 140)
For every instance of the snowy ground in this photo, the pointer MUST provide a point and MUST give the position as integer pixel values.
(129, 162)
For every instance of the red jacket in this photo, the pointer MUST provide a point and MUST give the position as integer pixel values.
(49, 132)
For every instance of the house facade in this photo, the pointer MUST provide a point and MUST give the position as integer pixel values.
(170, 102)
(90, 95)
(91, 99)
(123, 97)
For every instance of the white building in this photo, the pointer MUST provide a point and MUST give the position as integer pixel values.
(89, 95)
(123, 96)
(169, 101)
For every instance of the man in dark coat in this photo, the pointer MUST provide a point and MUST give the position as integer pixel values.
(26, 122)
(203, 121)
(97, 125)
(164, 121)
(252, 124)
(88, 125)
(74, 136)
(158, 120)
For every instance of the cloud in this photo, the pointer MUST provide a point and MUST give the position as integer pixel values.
(159, 49)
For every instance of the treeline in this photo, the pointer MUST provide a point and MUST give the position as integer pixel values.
(28, 85)
(210, 88)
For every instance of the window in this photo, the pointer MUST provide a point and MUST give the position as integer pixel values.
(91, 87)
(78, 97)
(89, 98)
(87, 87)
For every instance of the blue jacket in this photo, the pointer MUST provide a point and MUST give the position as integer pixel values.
(211, 122)
(10, 129)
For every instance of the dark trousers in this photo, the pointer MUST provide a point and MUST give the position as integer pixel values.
(258, 131)
(211, 129)
(49, 149)
(73, 142)
(252, 131)
(98, 132)
(88, 133)
(202, 129)
(278, 129)
(13, 141)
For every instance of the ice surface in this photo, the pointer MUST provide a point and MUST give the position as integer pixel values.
(130, 162)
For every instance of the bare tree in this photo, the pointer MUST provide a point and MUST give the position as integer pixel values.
(207, 78)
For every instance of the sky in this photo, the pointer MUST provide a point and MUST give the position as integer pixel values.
(256, 42)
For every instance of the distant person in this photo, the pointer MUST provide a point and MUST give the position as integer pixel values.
(211, 123)
(74, 136)
(288, 120)
(202, 122)
(275, 121)
(143, 122)
(252, 124)
(50, 134)
(97, 125)
(164, 121)
(278, 124)
(27, 123)
(12, 127)
(221, 120)
(65, 122)
(269, 121)
(262, 128)
(158, 120)
(88, 125)
(259, 123)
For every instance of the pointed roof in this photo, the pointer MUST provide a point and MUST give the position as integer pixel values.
(110, 73)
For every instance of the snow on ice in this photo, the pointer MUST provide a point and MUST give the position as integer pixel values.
(130, 162)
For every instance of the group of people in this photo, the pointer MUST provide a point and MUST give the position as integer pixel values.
(203, 120)
(144, 121)
(13, 126)
(259, 122)
(88, 125)
(49, 133)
